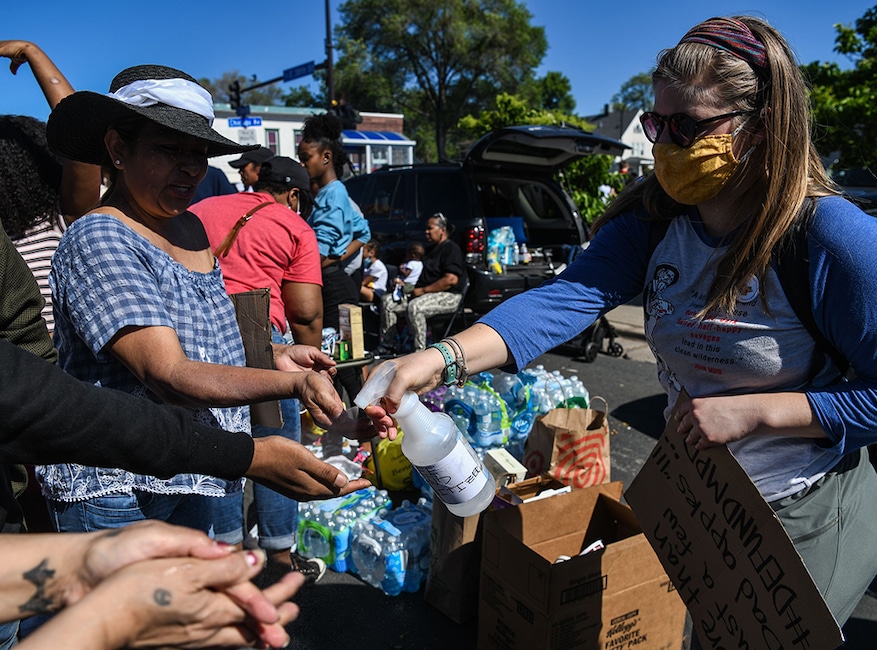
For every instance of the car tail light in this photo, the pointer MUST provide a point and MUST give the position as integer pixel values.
(473, 241)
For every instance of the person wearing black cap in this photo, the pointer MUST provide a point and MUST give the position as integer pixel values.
(249, 164)
(141, 303)
(276, 249)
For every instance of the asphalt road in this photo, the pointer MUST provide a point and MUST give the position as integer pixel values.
(341, 611)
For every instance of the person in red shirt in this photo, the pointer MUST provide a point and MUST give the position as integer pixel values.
(276, 249)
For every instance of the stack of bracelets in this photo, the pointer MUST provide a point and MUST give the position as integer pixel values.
(455, 371)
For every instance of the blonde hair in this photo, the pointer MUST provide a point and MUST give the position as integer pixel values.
(781, 172)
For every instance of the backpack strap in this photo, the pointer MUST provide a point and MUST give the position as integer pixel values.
(792, 259)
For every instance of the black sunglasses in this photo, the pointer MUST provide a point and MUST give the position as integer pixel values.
(683, 128)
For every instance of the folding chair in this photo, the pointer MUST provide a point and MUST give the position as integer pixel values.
(435, 322)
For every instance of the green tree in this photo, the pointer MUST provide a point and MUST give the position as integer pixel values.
(581, 179)
(845, 101)
(266, 96)
(635, 93)
(554, 93)
(302, 97)
(436, 60)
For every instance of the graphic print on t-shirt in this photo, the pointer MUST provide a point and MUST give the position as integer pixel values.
(657, 306)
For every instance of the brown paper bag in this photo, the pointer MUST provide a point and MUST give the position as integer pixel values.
(571, 445)
(252, 309)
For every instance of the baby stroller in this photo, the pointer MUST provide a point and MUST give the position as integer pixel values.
(591, 341)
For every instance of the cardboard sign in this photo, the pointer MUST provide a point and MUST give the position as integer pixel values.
(726, 551)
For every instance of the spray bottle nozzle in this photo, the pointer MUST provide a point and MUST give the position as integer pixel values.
(376, 385)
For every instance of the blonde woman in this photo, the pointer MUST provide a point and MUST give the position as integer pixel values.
(736, 176)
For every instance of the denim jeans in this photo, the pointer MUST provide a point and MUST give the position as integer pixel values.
(118, 510)
(8, 634)
(277, 515)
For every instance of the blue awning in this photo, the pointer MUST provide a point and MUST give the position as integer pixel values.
(374, 137)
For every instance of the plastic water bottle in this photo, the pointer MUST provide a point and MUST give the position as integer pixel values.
(435, 398)
(391, 552)
(324, 526)
(526, 258)
(508, 386)
(488, 425)
(459, 403)
(315, 536)
(580, 397)
(436, 448)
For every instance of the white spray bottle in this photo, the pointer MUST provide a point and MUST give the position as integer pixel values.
(436, 448)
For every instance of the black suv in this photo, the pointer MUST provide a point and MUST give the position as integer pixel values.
(508, 177)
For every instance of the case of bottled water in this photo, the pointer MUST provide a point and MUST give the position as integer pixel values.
(391, 551)
(324, 526)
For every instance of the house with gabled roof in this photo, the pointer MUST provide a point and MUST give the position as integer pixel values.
(624, 125)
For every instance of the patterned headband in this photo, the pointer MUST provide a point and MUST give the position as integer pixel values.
(733, 37)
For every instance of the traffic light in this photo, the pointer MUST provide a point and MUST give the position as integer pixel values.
(234, 94)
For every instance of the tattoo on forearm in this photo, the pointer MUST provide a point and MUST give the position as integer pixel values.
(39, 602)
(162, 597)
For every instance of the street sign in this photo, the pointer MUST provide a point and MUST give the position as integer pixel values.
(302, 70)
(234, 122)
(246, 136)
(242, 110)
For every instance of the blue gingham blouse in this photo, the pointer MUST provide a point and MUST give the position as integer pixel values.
(106, 277)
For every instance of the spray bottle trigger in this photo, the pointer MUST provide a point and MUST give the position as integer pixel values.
(376, 385)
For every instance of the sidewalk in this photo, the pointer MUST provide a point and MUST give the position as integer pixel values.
(628, 323)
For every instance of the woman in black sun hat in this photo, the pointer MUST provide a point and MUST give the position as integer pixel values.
(141, 305)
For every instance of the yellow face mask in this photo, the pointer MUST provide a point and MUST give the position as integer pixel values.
(697, 173)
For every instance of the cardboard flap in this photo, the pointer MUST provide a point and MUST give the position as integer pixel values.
(613, 598)
(540, 520)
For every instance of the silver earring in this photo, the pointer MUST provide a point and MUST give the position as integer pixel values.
(117, 161)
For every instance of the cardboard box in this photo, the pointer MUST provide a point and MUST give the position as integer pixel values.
(610, 599)
(504, 467)
(454, 560)
(538, 487)
(455, 551)
(350, 324)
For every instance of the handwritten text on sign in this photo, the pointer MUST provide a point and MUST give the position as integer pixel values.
(726, 552)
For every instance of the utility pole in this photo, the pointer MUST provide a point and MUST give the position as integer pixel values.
(330, 81)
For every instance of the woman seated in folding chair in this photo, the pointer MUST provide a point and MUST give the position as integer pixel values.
(438, 291)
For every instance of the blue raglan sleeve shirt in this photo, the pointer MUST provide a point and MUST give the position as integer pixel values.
(842, 243)
(610, 272)
(842, 247)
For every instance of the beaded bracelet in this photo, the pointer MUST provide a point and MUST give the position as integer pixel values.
(449, 374)
(462, 373)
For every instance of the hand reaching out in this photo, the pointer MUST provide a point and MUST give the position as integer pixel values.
(291, 469)
(292, 358)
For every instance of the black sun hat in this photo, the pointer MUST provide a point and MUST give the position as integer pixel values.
(166, 96)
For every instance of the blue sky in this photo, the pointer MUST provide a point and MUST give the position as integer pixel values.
(597, 45)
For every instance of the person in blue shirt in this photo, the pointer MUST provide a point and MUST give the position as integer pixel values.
(736, 173)
(340, 230)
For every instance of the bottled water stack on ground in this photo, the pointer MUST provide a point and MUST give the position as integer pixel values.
(391, 551)
(324, 526)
